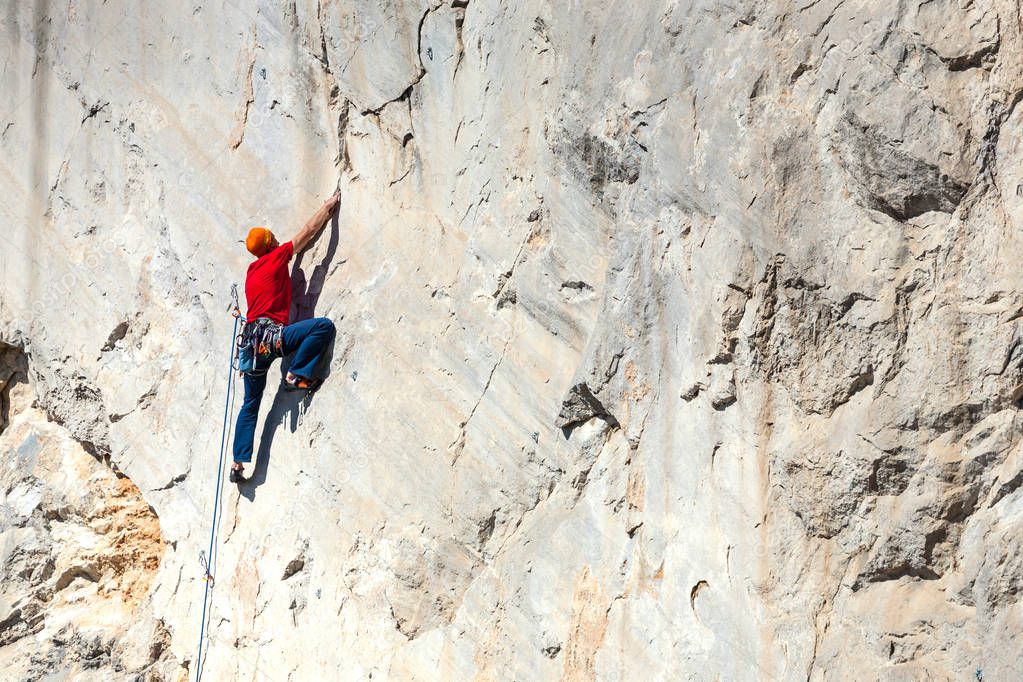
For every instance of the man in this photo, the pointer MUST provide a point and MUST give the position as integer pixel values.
(268, 295)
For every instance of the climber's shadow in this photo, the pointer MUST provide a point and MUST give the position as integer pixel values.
(286, 407)
(305, 293)
(285, 411)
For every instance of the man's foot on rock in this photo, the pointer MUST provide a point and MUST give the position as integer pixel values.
(237, 475)
(297, 383)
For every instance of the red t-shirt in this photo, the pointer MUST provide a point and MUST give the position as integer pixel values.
(268, 285)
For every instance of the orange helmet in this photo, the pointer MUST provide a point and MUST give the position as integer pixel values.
(259, 240)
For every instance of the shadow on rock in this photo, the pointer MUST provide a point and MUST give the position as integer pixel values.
(286, 409)
(306, 293)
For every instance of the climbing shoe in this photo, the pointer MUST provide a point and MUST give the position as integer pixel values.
(300, 384)
(237, 475)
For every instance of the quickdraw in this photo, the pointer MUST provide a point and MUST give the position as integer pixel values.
(233, 307)
(206, 575)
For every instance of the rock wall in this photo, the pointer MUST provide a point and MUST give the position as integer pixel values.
(675, 338)
(80, 549)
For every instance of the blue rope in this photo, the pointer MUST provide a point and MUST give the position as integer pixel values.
(208, 577)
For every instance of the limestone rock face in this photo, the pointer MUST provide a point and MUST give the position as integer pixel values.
(80, 550)
(675, 339)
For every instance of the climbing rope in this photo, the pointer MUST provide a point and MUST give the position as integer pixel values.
(208, 564)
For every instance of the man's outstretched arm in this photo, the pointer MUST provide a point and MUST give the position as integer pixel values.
(315, 224)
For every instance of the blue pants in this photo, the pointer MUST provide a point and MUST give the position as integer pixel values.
(308, 340)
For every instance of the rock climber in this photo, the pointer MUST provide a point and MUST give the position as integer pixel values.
(268, 297)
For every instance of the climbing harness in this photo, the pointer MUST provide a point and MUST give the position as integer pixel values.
(207, 559)
(259, 345)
